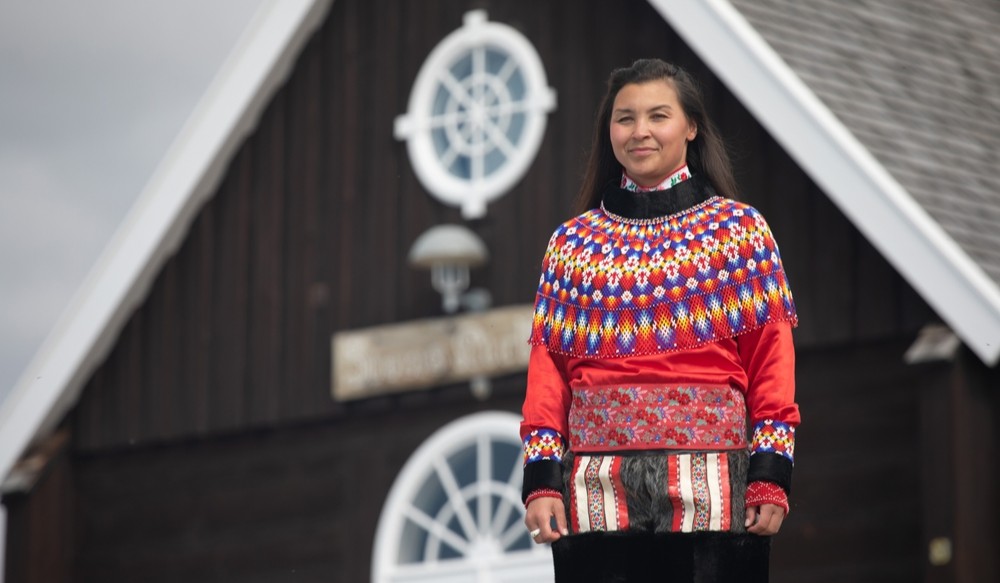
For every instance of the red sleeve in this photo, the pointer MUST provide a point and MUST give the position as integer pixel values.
(768, 356)
(547, 399)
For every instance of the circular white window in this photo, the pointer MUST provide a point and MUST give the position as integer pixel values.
(476, 114)
(454, 513)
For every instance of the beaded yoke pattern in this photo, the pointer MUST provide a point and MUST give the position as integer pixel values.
(614, 287)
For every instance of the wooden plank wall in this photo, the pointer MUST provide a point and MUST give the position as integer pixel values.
(299, 504)
(309, 231)
(856, 488)
(41, 527)
(960, 437)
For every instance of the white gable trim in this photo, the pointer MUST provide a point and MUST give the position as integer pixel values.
(157, 224)
(926, 256)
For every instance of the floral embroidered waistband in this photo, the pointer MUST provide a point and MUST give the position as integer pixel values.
(624, 417)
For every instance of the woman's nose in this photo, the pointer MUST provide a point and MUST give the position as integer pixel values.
(641, 128)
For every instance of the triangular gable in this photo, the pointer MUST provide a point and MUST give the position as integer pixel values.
(886, 214)
(154, 228)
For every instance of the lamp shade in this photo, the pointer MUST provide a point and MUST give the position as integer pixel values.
(447, 244)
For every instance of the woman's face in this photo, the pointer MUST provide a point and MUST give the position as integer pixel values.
(650, 131)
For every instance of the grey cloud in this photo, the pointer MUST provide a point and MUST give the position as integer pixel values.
(91, 96)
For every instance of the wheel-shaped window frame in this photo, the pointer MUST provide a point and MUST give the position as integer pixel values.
(479, 102)
(432, 526)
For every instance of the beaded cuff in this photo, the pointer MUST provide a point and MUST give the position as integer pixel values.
(543, 444)
(542, 493)
(766, 493)
(771, 436)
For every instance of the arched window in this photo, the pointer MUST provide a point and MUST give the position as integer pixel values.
(454, 513)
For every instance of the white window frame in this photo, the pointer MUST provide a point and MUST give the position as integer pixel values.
(474, 38)
(483, 547)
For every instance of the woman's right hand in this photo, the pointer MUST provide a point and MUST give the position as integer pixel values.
(539, 515)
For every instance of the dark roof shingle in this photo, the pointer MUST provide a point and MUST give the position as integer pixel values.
(918, 84)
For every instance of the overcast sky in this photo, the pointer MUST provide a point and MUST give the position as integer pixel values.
(92, 92)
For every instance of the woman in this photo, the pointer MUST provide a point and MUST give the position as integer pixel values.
(662, 325)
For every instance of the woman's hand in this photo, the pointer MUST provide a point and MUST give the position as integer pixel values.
(539, 515)
(765, 519)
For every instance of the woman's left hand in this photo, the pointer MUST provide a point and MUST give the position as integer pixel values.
(539, 515)
(765, 519)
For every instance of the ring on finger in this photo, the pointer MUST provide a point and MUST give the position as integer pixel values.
(535, 533)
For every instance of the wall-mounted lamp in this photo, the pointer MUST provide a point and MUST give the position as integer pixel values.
(448, 251)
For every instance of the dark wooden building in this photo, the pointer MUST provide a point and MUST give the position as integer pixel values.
(181, 425)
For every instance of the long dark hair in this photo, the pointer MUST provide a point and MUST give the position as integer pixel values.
(706, 154)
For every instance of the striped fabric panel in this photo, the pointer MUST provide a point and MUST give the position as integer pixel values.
(698, 490)
(616, 491)
(699, 487)
(674, 492)
(725, 523)
(597, 496)
(578, 495)
(686, 488)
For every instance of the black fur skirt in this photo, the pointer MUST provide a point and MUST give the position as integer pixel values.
(628, 557)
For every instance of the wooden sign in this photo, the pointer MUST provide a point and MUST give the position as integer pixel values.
(426, 353)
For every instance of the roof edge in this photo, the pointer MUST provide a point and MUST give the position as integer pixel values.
(156, 225)
(885, 213)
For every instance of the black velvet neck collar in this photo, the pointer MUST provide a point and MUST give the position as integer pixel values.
(658, 203)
